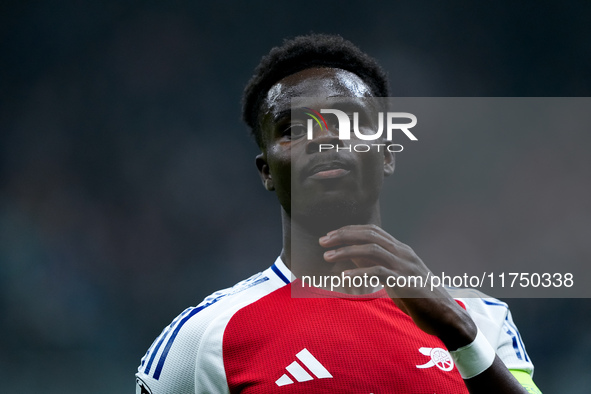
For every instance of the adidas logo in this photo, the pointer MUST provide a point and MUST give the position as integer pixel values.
(299, 373)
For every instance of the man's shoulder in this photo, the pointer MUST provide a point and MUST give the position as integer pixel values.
(244, 292)
(231, 299)
(221, 299)
(478, 303)
(173, 353)
(495, 320)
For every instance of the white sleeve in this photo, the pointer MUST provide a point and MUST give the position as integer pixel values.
(169, 365)
(187, 357)
(494, 319)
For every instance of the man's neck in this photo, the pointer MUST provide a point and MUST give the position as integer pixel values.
(302, 252)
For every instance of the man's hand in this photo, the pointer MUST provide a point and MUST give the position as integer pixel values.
(377, 253)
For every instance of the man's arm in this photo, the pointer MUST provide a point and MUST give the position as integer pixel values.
(377, 253)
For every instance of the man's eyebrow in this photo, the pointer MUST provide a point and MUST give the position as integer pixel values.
(286, 113)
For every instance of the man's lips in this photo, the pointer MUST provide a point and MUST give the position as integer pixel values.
(330, 174)
(330, 170)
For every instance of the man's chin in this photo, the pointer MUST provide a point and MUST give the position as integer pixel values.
(324, 217)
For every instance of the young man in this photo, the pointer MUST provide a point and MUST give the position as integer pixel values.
(256, 337)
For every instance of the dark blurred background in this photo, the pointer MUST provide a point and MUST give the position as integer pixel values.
(128, 189)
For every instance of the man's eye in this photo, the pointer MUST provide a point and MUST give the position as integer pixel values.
(363, 124)
(294, 131)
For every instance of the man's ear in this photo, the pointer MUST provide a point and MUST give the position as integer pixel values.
(264, 172)
(389, 162)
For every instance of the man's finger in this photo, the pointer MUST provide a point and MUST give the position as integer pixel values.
(367, 255)
(352, 235)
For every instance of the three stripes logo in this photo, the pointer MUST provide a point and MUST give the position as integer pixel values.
(298, 372)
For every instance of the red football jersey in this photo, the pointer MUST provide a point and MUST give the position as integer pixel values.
(256, 338)
(350, 344)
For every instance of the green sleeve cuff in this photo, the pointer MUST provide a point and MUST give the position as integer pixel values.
(526, 381)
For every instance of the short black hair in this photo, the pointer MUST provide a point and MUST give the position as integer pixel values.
(303, 52)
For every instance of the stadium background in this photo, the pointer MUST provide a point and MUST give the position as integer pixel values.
(127, 182)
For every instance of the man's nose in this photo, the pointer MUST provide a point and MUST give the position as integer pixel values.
(324, 136)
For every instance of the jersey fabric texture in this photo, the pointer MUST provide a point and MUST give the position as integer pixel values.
(256, 338)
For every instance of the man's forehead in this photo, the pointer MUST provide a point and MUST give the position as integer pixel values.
(315, 82)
